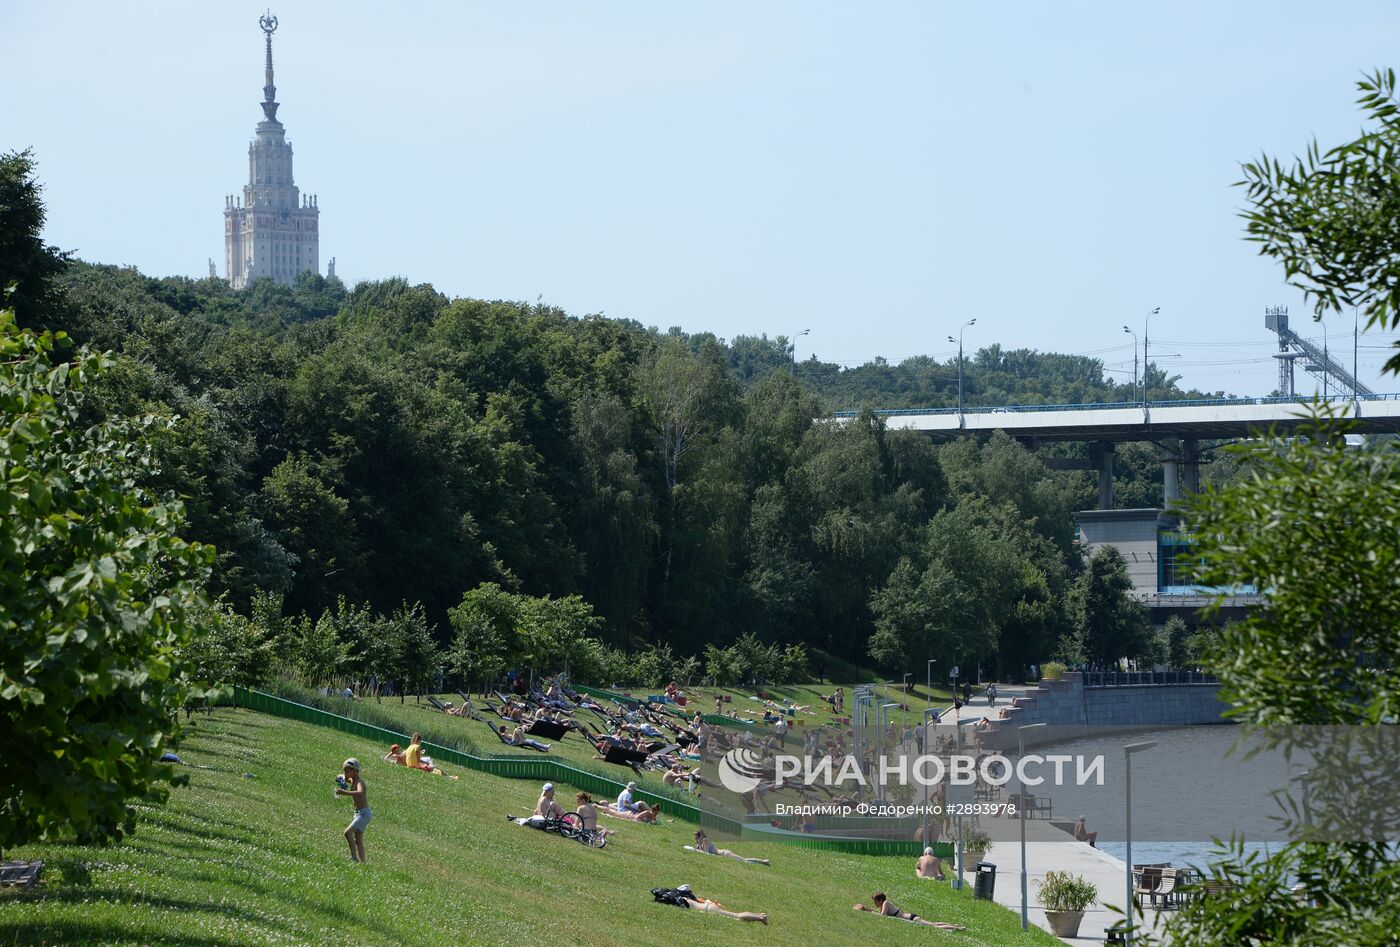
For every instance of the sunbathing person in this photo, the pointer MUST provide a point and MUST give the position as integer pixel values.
(705, 846)
(929, 866)
(884, 906)
(679, 774)
(1082, 835)
(688, 899)
(588, 814)
(395, 756)
(546, 807)
(626, 808)
(518, 738)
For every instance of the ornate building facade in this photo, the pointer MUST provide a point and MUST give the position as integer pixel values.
(272, 230)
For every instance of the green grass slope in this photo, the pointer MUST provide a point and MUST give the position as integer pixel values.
(259, 859)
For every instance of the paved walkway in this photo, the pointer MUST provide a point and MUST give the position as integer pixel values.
(1047, 849)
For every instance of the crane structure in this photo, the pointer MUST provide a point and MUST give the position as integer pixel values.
(1316, 361)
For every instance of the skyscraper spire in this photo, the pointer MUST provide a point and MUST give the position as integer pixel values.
(268, 22)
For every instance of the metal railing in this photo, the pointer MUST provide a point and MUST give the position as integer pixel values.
(1146, 678)
(1121, 405)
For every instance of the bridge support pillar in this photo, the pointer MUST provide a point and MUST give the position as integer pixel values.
(1101, 456)
(1171, 469)
(1191, 466)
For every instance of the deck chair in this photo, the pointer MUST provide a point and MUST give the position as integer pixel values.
(1171, 888)
(621, 757)
(548, 730)
(20, 874)
(1146, 883)
(437, 704)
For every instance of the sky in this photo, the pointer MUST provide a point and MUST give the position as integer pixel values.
(876, 173)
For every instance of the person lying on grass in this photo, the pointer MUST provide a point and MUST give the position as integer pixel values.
(928, 866)
(350, 783)
(887, 908)
(588, 814)
(684, 897)
(679, 774)
(704, 845)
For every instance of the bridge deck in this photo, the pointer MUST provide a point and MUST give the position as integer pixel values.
(1199, 420)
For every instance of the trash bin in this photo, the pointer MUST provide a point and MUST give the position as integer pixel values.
(985, 882)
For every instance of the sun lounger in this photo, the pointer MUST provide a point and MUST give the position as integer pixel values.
(20, 874)
(437, 704)
(547, 730)
(621, 757)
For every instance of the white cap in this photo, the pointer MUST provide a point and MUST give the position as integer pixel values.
(631, 785)
(928, 851)
(548, 787)
(685, 888)
(351, 763)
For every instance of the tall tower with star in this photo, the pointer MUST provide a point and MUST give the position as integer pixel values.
(272, 230)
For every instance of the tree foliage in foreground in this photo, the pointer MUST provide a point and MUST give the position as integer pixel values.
(96, 597)
(1330, 218)
(1316, 524)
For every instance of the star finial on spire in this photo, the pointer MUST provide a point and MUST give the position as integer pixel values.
(268, 22)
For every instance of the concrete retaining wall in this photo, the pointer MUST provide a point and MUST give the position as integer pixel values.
(1071, 709)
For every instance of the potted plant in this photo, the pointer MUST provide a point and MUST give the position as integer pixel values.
(976, 845)
(1064, 897)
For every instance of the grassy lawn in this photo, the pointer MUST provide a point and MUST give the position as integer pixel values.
(259, 859)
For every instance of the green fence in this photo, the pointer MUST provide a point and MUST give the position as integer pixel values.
(511, 767)
(553, 770)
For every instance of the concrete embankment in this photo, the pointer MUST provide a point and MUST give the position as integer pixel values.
(1072, 709)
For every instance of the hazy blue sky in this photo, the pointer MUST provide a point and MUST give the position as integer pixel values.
(876, 172)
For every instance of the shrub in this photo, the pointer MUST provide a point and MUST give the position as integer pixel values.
(1052, 670)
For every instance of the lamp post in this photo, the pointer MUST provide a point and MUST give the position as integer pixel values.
(1135, 345)
(1145, 320)
(958, 873)
(959, 340)
(795, 337)
(1128, 752)
(1025, 882)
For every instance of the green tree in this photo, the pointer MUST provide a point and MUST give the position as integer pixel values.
(1330, 218)
(1108, 623)
(26, 262)
(1313, 526)
(97, 595)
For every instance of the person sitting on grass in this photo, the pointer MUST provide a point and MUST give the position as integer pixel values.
(413, 755)
(684, 897)
(626, 808)
(546, 807)
(395, 755)
(887, 908)
(705, 846)
(1081, 834)
(588, 814)
(929, 866)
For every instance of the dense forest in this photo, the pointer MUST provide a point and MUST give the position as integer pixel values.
(391, 447)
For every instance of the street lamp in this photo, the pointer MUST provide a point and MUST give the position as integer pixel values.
(1128, 752)
(1135, 340)
(1025, 883)
(958, 340)
(795, 337)
(957, 875)
(1145, 320)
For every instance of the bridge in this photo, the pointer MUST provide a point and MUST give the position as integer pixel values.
(1177, 426)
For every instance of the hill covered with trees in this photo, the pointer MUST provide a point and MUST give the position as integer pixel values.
(392, 447)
